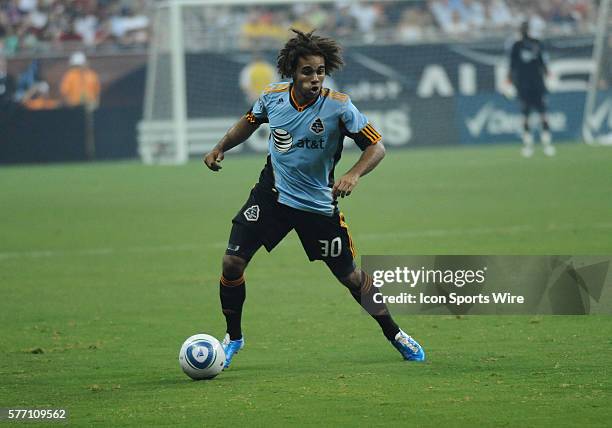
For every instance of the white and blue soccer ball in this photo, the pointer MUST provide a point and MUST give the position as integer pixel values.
(202, 357)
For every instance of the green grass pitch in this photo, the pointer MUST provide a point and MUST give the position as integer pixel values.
(106, 268)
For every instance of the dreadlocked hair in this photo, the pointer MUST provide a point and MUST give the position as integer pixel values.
(306, 44)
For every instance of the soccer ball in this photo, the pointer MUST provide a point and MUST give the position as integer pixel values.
(202, 357)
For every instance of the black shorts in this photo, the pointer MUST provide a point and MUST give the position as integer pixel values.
(532, 99)
(264, 221)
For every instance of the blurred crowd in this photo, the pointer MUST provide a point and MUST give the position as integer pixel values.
(36, 26)
(419, 20)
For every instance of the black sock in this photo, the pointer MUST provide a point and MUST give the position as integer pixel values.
(232, 294)
(388, 326)
(378, 311)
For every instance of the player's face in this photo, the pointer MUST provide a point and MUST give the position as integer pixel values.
(309, 76)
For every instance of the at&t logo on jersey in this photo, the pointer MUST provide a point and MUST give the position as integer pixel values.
(282, 140)
(317, 143)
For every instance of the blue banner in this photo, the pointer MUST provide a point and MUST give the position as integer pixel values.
(492, 118)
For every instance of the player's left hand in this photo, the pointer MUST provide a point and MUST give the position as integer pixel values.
(345, 185)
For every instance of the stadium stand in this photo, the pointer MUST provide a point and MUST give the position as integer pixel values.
(29, 27)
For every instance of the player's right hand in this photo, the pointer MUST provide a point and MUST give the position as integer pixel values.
(213, 159)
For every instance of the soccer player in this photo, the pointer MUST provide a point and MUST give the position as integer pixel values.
(527, 72)
(297, 189)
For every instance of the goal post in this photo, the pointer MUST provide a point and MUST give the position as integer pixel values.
(162, 132)
(598, 103)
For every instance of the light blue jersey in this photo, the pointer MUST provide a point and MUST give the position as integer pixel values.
(306, 142)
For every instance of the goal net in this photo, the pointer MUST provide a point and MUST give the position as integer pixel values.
(597, 118)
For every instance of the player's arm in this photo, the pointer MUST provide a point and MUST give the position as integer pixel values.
(236, 135)
(368, 160)
(542, 60)
(368, 140)
(513, 63)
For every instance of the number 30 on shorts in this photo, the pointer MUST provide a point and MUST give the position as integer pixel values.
(331, 248)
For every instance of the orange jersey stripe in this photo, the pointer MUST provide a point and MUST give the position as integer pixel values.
(367, 284)
(368, 133)
(371, 134)
(374, 131)
(277, 88)
(301, 107)
(345, 226)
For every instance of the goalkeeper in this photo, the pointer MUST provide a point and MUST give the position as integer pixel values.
(297, 189)
(527, 72)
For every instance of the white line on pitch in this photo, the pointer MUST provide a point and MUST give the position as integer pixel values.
(104, 251)
(5, 255)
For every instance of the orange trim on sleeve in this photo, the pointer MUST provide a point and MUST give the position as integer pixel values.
(374, 131)
(371, 134)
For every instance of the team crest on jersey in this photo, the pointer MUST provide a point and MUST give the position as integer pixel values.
(528, 55)
(317, 126)
(252, 213)
(282, 140)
